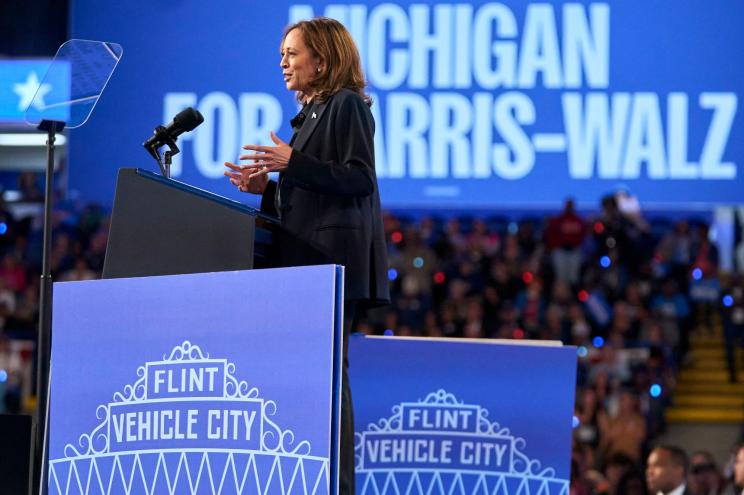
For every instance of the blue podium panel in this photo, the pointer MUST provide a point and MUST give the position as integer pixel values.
(208, 383)
(461, 417)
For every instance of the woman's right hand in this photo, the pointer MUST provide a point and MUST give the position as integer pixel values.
(246, 179)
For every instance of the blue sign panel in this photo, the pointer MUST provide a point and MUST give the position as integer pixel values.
(209, 383)
(457, 416)
(19, 82)
(477, 104)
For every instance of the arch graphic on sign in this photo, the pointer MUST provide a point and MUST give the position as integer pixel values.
(188, 425)
(440, 445)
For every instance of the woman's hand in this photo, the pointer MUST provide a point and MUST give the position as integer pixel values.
(245, 179)
(268, 158)
(253, 177)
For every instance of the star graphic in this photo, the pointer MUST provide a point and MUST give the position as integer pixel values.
(27, 90)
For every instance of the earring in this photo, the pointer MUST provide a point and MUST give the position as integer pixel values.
(318, 70)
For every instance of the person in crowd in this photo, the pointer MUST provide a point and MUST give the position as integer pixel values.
(7, 304)
(632, 483)
(587, 412)
(704, 274)
(327, 195)
(502, 279)
(633, 306)
(624, 432)
(673, 311)
(531, 305)
(617, 466)
(415, 260)
(473, 322)
(732, 318)
(611, 230)
(13, 273)
(579, 485)
(28, 185)
(26, 314)
(80, 271)
(564, 237)
(480, 241)
(736, 487)
(739, 469)
(527, 239)
(704, 477)
(579, 326)
(675, 249)
(666, 471)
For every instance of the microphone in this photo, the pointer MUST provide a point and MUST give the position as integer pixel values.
(185, 121)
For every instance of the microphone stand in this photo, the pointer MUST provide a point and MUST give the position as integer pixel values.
(168, 156)
(163, 139)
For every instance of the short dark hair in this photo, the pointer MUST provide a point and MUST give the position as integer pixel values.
(708, 462)
(678, 455)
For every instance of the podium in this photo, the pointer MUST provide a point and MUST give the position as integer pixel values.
(475, 416)
(162, 226)
(184, 371)
(212, 383)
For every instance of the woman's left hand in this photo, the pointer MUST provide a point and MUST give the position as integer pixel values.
(267, 158)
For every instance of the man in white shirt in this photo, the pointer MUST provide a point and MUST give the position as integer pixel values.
(666, 471)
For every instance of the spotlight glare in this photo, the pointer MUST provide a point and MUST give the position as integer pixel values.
(655, 390)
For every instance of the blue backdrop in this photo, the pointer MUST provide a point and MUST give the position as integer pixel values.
(477, 104)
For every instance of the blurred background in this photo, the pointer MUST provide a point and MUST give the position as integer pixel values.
(559, 171)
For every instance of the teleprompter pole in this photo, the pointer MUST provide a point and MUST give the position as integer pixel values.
(43, 351)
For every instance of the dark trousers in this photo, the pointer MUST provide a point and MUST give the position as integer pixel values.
(346, 460)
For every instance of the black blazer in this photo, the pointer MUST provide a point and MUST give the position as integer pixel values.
(329, 202)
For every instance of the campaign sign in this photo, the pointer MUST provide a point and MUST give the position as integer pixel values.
(461, 417)
(477, 104)
(218, 383)
(27, 82)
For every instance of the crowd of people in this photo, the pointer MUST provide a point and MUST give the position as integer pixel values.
(619, 289)
(79, 246)
(669, 471)
(627, 293)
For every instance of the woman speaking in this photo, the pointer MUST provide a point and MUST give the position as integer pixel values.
(326, 195)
